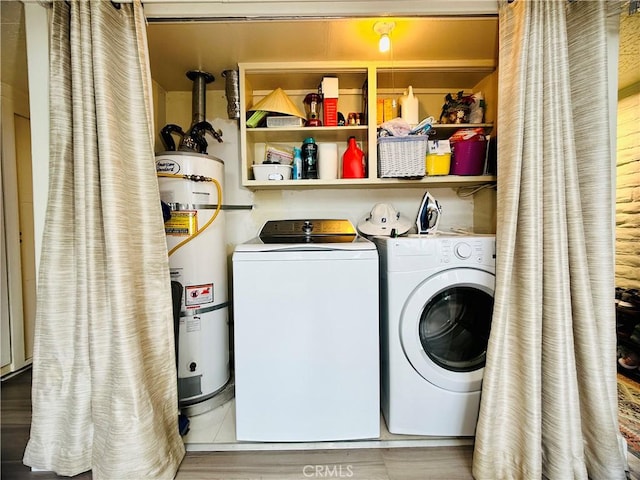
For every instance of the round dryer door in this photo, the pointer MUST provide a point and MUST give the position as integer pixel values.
(445, 327)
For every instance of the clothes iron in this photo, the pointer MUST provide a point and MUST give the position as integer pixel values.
(428, 215)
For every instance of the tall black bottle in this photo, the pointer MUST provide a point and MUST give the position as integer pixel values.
(309, 158)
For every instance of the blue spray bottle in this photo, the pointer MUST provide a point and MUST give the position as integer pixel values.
(297, 164)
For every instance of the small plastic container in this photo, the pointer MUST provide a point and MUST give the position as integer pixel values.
(438, 164)
(468, 157)
(287, 121)
(272, 171)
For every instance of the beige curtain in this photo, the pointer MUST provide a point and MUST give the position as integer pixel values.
(549, 400)
(104, 381)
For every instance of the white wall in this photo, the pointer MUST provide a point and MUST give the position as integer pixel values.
(14, 108)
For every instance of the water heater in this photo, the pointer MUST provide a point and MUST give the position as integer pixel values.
(191, 184)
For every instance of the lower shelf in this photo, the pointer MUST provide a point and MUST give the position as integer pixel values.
(445, 181)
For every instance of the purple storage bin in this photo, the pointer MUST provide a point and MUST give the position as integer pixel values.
(468, 157)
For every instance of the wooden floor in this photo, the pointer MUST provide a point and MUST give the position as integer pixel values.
(432, 463)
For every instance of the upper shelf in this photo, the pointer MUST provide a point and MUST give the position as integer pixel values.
(443, 131)
(269, 77)
(463, 73)
(321, 134)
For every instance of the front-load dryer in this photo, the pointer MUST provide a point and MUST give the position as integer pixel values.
(436, 304)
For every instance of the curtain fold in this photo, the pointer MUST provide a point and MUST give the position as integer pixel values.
(549, 400)
(104, 391)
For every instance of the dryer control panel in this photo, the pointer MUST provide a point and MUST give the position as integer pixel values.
(424, 252)
(480, 251)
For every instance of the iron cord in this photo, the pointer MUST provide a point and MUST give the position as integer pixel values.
(463, 192)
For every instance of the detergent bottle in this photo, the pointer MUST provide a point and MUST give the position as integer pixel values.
(297, 164)
(353, 160)
(309, 158)
(409, 108)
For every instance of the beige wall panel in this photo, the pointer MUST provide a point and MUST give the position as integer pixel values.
(628, 192)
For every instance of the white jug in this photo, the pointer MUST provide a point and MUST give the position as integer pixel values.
(409, 107)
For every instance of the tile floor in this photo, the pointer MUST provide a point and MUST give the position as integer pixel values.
(215, 430)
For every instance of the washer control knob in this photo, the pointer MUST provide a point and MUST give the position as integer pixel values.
(462, 250)
(307, 227)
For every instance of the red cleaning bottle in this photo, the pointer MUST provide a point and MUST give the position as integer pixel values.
(353, 160)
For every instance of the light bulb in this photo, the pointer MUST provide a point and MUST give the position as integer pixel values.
(385, 43)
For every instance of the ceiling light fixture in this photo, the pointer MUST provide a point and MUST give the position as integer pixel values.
(384, 30)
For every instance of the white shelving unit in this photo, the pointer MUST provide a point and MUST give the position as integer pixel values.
(297, 79)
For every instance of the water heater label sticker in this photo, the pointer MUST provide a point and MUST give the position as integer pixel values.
(198, 294)
(193, 324)
(167, 166)
(183, 223)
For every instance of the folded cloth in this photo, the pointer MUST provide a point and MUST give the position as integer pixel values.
(396, 127)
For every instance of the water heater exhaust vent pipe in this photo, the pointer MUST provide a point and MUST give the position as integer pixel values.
(199, 95)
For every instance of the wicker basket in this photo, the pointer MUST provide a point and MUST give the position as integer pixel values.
(402, 157)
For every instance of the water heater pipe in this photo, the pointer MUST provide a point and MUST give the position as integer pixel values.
(196, 178)
(199, 95)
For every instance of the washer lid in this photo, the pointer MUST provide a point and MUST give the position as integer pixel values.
(307, 235)
(444, 327)
(308, 231)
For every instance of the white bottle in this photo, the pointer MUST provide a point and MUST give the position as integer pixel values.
(327, 161)
(409, 108)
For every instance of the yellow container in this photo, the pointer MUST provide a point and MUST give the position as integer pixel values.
(438, 164)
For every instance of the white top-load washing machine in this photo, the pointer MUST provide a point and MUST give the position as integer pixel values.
(306, 333)
(436, 297)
